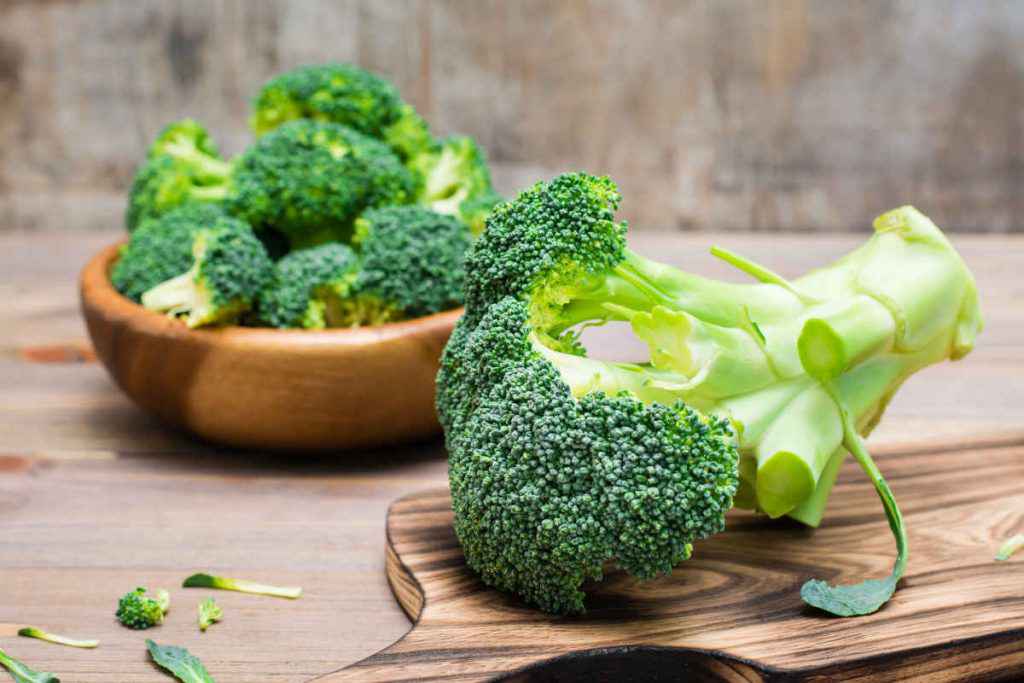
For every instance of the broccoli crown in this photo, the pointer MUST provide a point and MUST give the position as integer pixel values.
(547, 489)
(340, 93)
(138, 611)
(310, 179)
(744, 393)
(305, 282)
(413, 259)
(181, 166)
(230, 267)
(160, 249)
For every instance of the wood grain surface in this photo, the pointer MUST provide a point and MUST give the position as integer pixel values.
(96, 497)
(734, 609)
(711, 114)
(264, 388)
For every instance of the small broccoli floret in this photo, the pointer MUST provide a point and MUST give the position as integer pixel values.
(139, 611)
(230, 267)
(209, 614)
(412, 264)
(560, 463)
(309, 180)
(182, 166)
(409, 135)
(339, 93)
(160, 249)
(307, 286)
(452, 173)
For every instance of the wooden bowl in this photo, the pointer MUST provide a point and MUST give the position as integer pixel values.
(268, 388)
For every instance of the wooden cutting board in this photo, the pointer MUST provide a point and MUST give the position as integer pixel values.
(733, 612)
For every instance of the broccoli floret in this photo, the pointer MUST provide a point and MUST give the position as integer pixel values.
(230, 267)
(139, 611)
(181, 166)
(340, 93)
(160, 249)
(453, 173)
(412, 264)
(310, 179)
(345, 94)
(307, 286)
(561, 464)
(209, 613)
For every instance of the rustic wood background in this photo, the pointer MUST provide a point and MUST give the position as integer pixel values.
(724, 114)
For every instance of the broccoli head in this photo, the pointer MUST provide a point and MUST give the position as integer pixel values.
(139, 611)
(340, 93)
(307, 287)
(310, 179)
(230, 267)
(181, 166)
(160, 249)
(561, 464)
(475, 210)
(411, 264)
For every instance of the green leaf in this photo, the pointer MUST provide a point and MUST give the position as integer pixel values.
(868, 596)
(1011, 546)
(179, 662)
(22, 674)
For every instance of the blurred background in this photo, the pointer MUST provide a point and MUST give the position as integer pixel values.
(711, 115)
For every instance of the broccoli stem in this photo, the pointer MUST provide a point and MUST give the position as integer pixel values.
(32, 632)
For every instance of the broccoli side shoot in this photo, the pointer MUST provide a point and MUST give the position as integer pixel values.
(138, 611)
(308, 286)
(209, 614)
(412, 263)
(230, 267)
(160, 249)
(309, 180)
(182, 166)
(770, 384)
(454, 175)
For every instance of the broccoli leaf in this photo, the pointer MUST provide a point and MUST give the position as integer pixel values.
(22, 674)
(1011, 546)
(868, 596)
(179, 662)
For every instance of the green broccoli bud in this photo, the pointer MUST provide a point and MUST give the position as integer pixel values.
(181, 166)
(33, 632)
(338, 93)
(308, 286)
(209, 613)
(160, 249)
(309, 180)
(412, 262)
(242, 586)
(230, 267)
(453, 172)
(799, 371)
(138, 611)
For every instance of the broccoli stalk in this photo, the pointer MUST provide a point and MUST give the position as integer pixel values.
(242, 586)
(1010, 547)
(21, 673)
(33, 632)
(544, 443)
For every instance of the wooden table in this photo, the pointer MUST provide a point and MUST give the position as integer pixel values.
(96, 498)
